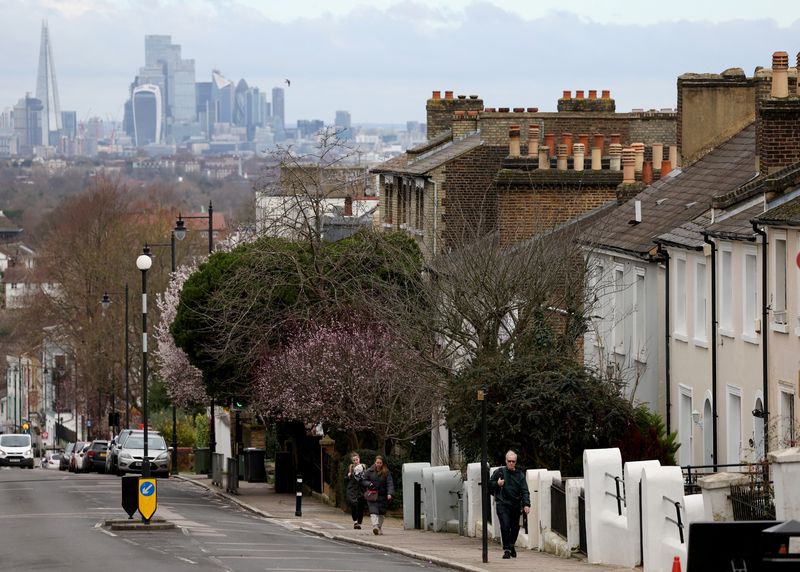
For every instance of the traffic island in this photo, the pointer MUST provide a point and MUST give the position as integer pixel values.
(134, 524)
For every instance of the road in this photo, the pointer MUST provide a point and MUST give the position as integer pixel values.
(51, 520)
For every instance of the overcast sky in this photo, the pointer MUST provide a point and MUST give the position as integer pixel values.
(382, 58)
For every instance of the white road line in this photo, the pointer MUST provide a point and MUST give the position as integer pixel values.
(108, 532)
(186, 560)
(5, 489)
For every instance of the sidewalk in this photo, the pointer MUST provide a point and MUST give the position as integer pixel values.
(447, 550)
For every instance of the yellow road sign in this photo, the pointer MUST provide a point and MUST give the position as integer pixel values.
(147, 498)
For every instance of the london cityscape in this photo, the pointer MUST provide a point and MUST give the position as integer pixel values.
(477, 285)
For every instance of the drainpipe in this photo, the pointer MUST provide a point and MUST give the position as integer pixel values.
(713, 348)
(764, 354)
(665, 259)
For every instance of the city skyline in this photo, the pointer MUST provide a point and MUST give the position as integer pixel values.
(381, 62)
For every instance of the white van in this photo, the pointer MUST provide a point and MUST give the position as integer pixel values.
(15, 450)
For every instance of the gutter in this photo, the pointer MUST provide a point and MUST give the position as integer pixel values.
(764, 325)
(714, 415)
(665, 259)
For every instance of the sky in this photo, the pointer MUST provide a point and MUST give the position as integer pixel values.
(381, 59)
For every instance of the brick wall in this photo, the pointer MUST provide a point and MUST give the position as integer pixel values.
(469, 202)
(779, 133)
(440, 112)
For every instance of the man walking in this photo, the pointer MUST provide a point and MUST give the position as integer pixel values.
(511, 495)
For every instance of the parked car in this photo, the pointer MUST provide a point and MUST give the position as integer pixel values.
(77, 454)
(16, 450)
(96, 457)
(113, 451)
(65, 457)
(131, 454)
(51, 460)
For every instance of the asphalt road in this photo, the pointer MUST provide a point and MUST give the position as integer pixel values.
(51, 520)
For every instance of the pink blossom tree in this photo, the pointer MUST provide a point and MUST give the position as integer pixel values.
(183, 381)
(352, 375)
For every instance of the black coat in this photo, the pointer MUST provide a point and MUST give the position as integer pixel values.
(385, 486)
(355, 490)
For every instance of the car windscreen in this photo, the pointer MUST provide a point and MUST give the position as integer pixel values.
(15, 440)
(153, 443)
(99, 446)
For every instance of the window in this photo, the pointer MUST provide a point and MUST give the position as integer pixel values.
(726, 291)
(734, 432)
(618, 326)
(389, 204)
(402, 211)
(419, 207)
(700, 302)
(685, 425)
(750, 296)
(639, 309)
(779, 302)
(599, 310)
(680, 297)
(788, 432)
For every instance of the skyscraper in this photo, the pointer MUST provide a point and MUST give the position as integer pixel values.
(28, 119)
(147, 114)
(278, 118)
(342, 124)
(47, 91)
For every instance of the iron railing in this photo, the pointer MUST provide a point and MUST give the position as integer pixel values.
(758, 472)
(582, 523)
(753, 501)
(558, 508)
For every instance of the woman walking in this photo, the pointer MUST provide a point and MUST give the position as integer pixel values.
(355, 493)
(379, 479)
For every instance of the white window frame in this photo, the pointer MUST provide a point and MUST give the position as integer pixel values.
(788, 419)
(679, 326)
(733, 391)
(640, 314)
(598, 329)
(750, 297)
(780, 298)
(618, 310)
(685, 425)
(700, 331)
(726, 316)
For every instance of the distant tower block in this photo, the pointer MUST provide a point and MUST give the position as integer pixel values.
(47, 90)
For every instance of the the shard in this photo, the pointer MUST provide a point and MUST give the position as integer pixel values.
(47, 90)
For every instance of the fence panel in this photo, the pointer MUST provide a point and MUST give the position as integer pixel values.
(558, 508)
(582, 523)
(753, 501)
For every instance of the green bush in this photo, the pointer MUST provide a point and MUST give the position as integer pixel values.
(161, 421)
(201, 431)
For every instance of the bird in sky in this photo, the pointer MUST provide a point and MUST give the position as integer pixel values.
(288, 83)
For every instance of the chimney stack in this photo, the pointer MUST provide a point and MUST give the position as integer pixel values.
(513, 141)
(615, 154)
(597, 152)
(579, 153)
(628, 166)
(561, 157)
(533, 140)
(780, 75)
(639, 148)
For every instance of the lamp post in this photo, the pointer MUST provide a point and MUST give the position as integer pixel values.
(485, 505)
(143, 263)
(105, 303)
(180, 233)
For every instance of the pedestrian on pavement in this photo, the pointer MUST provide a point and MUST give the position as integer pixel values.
(355, 492)
(378, 477)
(510, 490)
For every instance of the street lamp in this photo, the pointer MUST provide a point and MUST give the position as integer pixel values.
(106, 303)
(143, 263)
(179, 232)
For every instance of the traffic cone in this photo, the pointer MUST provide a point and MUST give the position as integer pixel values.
(676, 564)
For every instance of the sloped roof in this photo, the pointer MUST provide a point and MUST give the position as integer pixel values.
(787, 214)
(680, 197)
(430, 160)
(738, 226)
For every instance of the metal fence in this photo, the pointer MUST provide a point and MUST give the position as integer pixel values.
(582, 523)
(758, 472)
(753, 501)
(558, 507)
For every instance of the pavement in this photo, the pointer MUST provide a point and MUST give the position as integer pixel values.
(444, 549)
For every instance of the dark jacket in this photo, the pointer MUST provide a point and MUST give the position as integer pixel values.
(514, 491)
(385, 486)
(355, 490)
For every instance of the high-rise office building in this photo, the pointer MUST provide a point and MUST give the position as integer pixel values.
(47, 91)
(69, 124)
(240, 104)
(342, 124)
(278, 117)
(28, 119)
(222, 97)
(147, 113)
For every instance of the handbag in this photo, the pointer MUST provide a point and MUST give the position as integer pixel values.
(371, 494)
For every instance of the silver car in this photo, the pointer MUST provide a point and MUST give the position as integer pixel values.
(131, 453)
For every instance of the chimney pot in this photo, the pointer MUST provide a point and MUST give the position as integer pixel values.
(550, 143)
(472, 114)
(666, 167)
(459, 114)
(519, 110)
(628, 165)
(592, 94)
(658, 154)
(473, 97)
(584, 138)
(561, 157)
(615, 153)
(513, 140)
(566, 138)
(615, 138)
(647, 172)
(436, 95)
(780, 75)
(579, 94)
(673, 156)
(567, 94)
(544, 157)
(579, 152)
(448, 95)
(533, 110)
(503, 109)
(606, 94)
(533, 141)
(462, 97)
(489, 109)
(639, 148)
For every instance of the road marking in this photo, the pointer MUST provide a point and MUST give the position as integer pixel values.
(186, 560)
(4, 489)
(108, 532)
